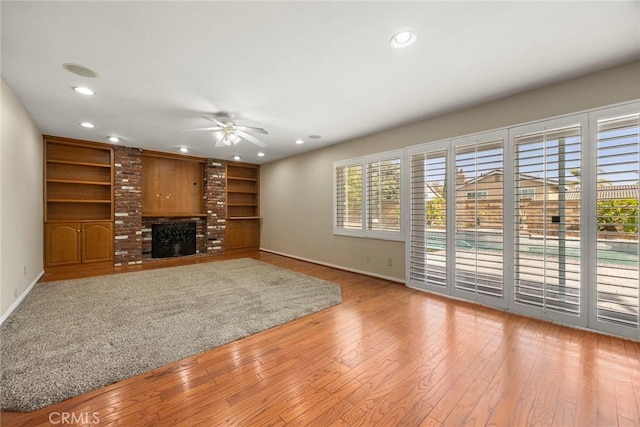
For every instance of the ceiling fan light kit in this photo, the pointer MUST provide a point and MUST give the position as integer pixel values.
(229, 133)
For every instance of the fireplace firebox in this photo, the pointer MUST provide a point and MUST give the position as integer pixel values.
(173, 239)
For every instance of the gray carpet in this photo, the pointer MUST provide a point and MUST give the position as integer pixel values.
(70, 337)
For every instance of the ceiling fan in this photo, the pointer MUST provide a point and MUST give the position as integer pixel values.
(227, 132)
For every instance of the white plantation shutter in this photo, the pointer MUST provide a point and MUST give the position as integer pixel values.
(542, 219)
(348, 196)
(479, 227)
(383, 195)
(547, 273)
(617, 167)
(367, 196)
(428, 220)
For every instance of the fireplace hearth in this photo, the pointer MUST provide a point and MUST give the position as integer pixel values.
(173, 239)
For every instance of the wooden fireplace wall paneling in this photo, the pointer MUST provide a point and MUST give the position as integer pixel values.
(78, 193)
(171, 186)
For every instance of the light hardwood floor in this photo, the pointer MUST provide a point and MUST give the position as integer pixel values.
(387, 356)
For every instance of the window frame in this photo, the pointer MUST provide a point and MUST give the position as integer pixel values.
(364, 231)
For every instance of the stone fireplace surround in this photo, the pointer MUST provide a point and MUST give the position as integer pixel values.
(132, 231)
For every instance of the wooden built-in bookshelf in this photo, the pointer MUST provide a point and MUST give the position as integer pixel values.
(243, 206)
(78, 192)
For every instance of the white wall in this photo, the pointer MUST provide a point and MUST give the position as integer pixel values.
(296, 193)
(21, 195)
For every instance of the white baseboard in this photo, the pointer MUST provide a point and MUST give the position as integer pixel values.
(339, 267)
(20, 298)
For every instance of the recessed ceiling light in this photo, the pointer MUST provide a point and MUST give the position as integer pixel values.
(403, 39)
(87, 125)
(83, 90)
(79, 70)
(299, 141)
(314, 137)
(236, 158)
(260, 154)
(184, 150)
(114, 139)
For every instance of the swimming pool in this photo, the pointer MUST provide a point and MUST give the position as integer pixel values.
(533, 246)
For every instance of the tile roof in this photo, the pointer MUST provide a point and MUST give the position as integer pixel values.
(607, 192)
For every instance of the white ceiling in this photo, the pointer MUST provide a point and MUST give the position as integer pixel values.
(293, 68)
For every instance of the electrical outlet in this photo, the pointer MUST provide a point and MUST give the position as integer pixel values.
(15, 292)
(390, 262)
(25, 269)
(368, 258)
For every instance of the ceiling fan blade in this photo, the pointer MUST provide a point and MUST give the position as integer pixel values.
(252, 129)
(224, 116)
(251, 138)
(221, 124)
(200, 129)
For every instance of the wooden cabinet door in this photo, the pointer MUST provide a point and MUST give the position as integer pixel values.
(235, 234)
(97, 242)
(62, 244)
(251, 233)
(243, 233)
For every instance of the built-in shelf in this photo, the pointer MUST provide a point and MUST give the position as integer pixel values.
(243, 209)
(77, 201)
(78, 214)
(71, 162)
(71, 181)
(237, 178)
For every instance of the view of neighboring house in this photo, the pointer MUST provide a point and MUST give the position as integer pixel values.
(489, 186)
(479, 200)
(541, 205)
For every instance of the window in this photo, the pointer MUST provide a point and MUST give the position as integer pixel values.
(527, 193)
(348, 206)
(476, 195)
(368, 196)
(383, 195)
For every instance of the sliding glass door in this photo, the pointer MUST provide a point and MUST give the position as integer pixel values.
(456, 218)
(615, 303)
(547, 214)
(540, 219)
(479, 229)
(427, 250)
